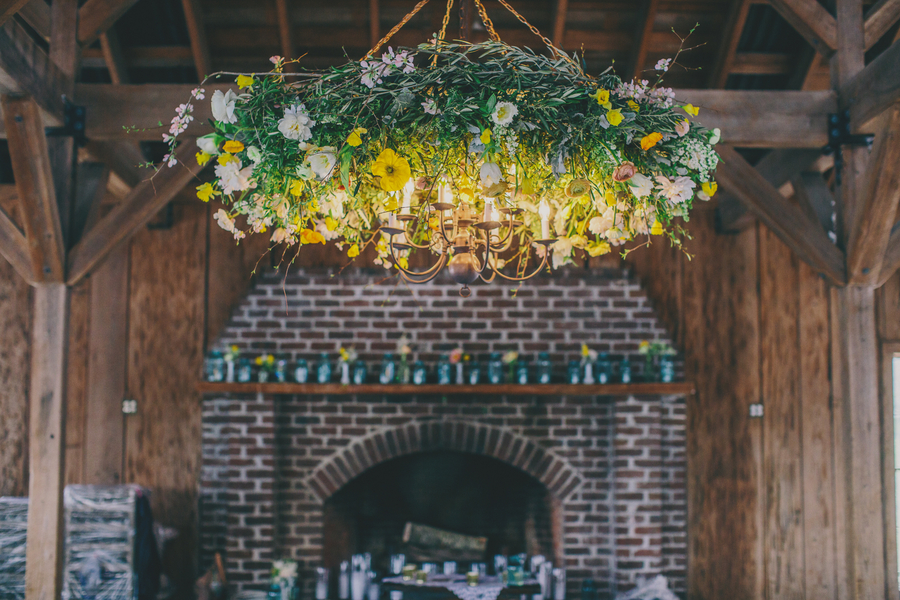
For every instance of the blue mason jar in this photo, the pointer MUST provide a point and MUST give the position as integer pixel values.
(215, 366)
(388, 369)
(522, 372)
(301, 371)
(625, 371)
(544, 368)
(359, 372)
(604, 368)
(495, 368)
(443, 370)
(281, 369)
(474, 375)
(666, 369)
(419, 374)
(244, 370)
(323, 369)
(573, 374)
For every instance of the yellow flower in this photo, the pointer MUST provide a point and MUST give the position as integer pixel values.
(203, 158)
(331, 223)
(633, 105)
(657, 228)
(205, 192)
(709, 188)
(648, 141)
(578, 188)
(393, 170)
(644, 345)
(354, 138)
(233, 146)
(485, 136)
(614, 116)
(528, 186)
(259, 360)
(225, 158)
(234, 348)
(245, 81)
(403, 262)
(296, 187)
(602, 97)
(353, 251)
(270, 359)
(691, 109)
(585, 351)
(310, 236)
(598, 248)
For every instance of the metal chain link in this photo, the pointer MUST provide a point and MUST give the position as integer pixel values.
(396, 28)
(534, 30)
(486, 20)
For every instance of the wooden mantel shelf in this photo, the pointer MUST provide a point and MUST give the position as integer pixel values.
(335, 389)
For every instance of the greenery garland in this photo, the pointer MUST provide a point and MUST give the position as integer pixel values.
(317, 156)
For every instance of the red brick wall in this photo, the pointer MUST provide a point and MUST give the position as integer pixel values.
(615, 466)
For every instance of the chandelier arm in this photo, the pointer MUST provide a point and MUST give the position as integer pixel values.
(526, 277)
(436, 267)
(492, 277)
(414, 277)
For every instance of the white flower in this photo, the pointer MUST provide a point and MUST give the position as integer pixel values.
(490, 174)
(232, 178)
(663, 64)
(430, 107)
(334, 204)
(224, 221)
(223, 106)
(170, 160)
(282, 235)
(296, 124)
(322, 164)
(305, 171)
(714, 136)
(676, 190)
(207, 144)
(600, 225)
(198, 93)
(504, 113)
(641, 185)
(562, 252)
(329, 235)
(254, 155)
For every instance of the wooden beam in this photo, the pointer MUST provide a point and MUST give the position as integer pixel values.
(97, 16)
(374, 22)
(877, 211)
(872, 90)
(134, 212)
(731, 35)
(37, 14)
(26, 68)
(787, 221)
(559, 23)
(46, 444)
(891, 261)
(197, 32)
(815, 198)
(763, 63)
(879, 19)
(641, 44)
(812, 21)
(91, 181)
(10, 7)
(14, 247)
(285, 29)
(34, 185)
(123, 157)
(112, 56)
(65, 54)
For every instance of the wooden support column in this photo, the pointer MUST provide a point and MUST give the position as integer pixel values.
(43, 558)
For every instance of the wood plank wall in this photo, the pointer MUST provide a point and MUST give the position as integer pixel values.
(752, 321)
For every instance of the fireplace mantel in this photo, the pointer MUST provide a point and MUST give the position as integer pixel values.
(682, 388)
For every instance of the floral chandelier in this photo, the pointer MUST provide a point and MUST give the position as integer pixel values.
(497, 160)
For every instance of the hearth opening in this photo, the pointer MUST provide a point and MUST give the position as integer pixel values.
(459, 492)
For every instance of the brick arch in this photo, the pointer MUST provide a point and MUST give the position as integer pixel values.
(560, 478)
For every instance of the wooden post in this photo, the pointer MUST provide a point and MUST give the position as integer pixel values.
(43, 558)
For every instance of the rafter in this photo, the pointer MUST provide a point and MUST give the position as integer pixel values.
(10, 7)
(559, 22)
(197, 32)
(879, 19)
(285, 29)
(135, 211)
(812, 21)
(877, 209)
(14, 247)
(97, 16)
(641, 44)
(26, 68)
(374, 22)
(873, 89)
(891, 261)
(815, 198)
(34, 186)
(789, 223)
(112, 56)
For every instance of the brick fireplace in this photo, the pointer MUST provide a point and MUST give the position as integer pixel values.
(610, 469)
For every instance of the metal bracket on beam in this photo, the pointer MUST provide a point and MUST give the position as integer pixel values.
(839, 135)
(73, 124)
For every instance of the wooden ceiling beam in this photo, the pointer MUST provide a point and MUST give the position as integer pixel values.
(97, 16)
(877, 210)
(641, 44)
(193, 16)
(762, 63)
(8, 8)
(891, 261)
(14, 247)
(734, 26)
(879, 19)
(113, 57)
(26, 68)
(559, 23)
(815, 198)
(812, 21)
(874, 89)
(37, 14)
(374, 22)
(34, 186)
(788, 222)
(134, 212)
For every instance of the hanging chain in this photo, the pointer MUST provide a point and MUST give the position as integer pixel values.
(446, 20)
(486, 20)
(534, 30)
(396, 28)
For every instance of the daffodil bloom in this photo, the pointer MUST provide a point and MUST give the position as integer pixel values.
(310, 236)
(353, 251)
(691, 109)
(614, 116)
(296, 187)
(650, 140)
(633, 105)
(392, 169)
(657, 228)
(707, 190)
(205, 192)
(224, 159)
(245, 81)
(585, 351)
(602, 98)
(485, 137)
(354, 138)
(598, 248)
(233, 146)
(403, 262)
(331, 223)
(202, 158)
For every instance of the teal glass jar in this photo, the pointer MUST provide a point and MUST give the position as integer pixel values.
(244, 370)
(419, 374)
(604, 368)
(323, 369)
(522, 372)
(388, 370)
(573, 373)
(495, 368)
(625, 371)
(666, 369)
(215, 366)
(443, 370)
(281, 369)
(301, 371)
(360, 373)
(544, 368)
(474, 374)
